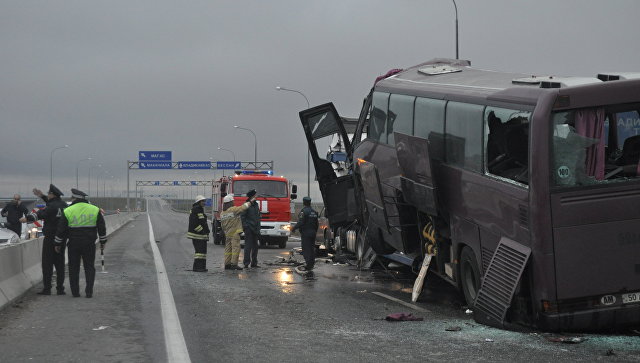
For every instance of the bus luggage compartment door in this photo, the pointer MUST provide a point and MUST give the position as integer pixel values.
(417, 181)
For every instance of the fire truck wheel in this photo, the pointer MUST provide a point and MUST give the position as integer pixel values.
(469, 275)
(282, 242)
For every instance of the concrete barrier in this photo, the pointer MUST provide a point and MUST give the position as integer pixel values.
(20, 263)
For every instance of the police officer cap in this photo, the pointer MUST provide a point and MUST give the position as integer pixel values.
(251, 193)
(78, 193)
(306, 199)
(54, 190)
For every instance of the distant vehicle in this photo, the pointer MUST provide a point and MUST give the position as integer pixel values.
(523, 189)
(274, 197)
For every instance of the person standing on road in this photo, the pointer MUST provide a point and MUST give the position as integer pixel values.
(308, 226)
(15, 210)
(232, 226)
(199, 234)
(51, 215)
(251, 227)
(81, 223)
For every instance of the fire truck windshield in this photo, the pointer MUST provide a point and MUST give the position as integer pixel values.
(265, 188)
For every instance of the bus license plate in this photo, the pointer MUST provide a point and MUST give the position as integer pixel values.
(633, 297)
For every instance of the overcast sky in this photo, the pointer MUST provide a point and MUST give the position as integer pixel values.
(110, 78)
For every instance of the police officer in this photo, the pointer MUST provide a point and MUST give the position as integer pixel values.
(251, 227)
(199, 233)
(15, 210)
(51, 214)
(308, 226)
(81, 223)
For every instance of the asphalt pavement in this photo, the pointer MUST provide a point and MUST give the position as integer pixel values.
(268, 314)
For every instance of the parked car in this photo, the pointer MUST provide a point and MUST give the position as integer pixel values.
(7, 235)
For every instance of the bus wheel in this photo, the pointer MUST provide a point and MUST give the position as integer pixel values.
(469, 275)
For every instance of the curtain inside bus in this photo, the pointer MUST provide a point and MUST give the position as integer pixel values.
(589, 123)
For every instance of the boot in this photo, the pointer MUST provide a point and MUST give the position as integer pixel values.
(60, 291)
(45, 292)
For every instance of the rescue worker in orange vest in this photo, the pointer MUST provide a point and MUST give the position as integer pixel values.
(81, 223)
(199, 234)
(232, 227)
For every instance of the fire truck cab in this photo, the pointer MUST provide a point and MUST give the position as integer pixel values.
(275, 195)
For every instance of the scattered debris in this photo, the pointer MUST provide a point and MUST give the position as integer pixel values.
(488, 340)
(468, 311)
(361, 291)
(453, 328)
(610, 353)
(565, 339)
(403, 317)
(101, 327)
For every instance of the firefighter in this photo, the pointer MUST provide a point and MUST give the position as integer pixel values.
(199, 234)
(51, 215)
(232, 226)
(308, 226)
(251, 227)
(81, 223)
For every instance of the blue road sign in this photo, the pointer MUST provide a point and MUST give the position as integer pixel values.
(175, 182)
(194, 165)
(154, 155)
(154, 165)
(156, 183)
(234, 165)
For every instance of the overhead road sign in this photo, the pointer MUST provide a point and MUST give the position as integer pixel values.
(164, 183)
(154, 165)
(154, 155)
(194, 165)
(234, 165)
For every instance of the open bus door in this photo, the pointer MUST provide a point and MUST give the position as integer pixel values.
(322, 125)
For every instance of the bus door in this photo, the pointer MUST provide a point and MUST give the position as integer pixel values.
(324, 129)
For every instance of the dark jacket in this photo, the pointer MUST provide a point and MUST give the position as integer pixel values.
(307, 221)
(87, 234)
(50, 214)
(14, 212)
(251, 218)
(198, 226)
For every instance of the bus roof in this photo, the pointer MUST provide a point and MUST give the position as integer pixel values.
(456, 80)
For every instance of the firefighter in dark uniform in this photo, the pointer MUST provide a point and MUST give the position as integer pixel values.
(199, 234)
(308, 226)
(51, 214)
(251, 227)
(81, 223)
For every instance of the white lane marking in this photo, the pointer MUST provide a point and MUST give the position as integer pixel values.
(173, 338)
(414, 307)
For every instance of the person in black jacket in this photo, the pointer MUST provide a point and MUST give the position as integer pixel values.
(308, 226)
(199, 234)
(14, 211)
(51, 214)
(251, 228)
(81, 223)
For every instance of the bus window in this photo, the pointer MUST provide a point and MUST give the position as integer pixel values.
(401, 108)
(378, 121)
(507, 143)
(463, 135)
(429, 123)
(587, 150)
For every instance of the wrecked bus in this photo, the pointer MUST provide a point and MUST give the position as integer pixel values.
(522, 190)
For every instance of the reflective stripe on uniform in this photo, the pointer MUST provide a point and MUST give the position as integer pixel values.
(200, 256)
(198, 228)
(201, 215)
(192, 235)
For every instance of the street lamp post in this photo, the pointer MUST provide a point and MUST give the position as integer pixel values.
(51, 161)
(255, 144)
(456, 9)
(278, 88)
(77, 167)
(89, 178)
(232, 153)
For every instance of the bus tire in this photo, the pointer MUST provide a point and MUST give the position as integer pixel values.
(469, 276)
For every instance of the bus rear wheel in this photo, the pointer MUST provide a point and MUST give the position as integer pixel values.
(469, 275)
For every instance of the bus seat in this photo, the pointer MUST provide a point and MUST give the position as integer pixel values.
(517, 150)
(630, 151)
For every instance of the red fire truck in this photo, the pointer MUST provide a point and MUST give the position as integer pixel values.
(274, 197)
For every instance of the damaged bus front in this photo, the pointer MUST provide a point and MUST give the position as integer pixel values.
(524, 190)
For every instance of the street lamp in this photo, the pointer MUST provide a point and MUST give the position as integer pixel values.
(255, 144)
(77, 166)
(89, 178)
(278, 88)
(456, 8)
(51, 160)
(232, 153)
